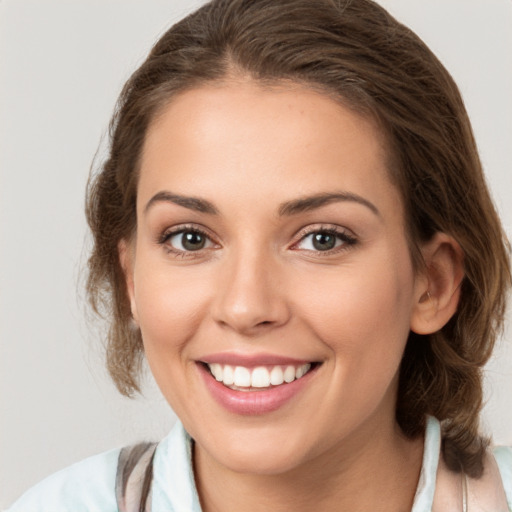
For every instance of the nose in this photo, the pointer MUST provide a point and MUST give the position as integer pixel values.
(250, 298)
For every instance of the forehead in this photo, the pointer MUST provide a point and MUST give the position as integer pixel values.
(280, 141)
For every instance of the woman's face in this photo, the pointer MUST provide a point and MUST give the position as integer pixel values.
(270, 242)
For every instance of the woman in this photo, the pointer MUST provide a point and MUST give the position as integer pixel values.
(293, 227)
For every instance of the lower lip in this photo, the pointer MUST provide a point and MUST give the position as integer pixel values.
(253, 402)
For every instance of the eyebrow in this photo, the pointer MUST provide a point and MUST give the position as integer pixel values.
(288, 208)
(192, 203)
(309, 203)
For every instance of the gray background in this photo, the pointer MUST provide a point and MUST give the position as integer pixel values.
(62, 63)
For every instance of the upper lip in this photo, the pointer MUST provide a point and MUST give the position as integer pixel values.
(251, 360)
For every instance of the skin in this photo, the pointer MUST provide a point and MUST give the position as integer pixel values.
(260, 286)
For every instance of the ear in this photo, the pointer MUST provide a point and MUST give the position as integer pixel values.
(437, 287)
(126, 253)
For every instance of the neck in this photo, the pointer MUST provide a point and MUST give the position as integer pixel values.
(377, 469)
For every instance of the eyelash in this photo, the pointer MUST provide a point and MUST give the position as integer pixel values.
(164, 238)
(347, 239)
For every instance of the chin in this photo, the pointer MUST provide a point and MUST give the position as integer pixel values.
(263, 451)
(257, 463)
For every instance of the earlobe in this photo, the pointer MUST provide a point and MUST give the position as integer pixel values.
(126, 257)
(437, 289)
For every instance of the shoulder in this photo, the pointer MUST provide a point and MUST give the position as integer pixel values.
(503, 456)
(87, 486)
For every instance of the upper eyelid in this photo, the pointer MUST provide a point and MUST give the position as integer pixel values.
(296, 238)
(332, 228)
(164, 236)
(163, 240)
(180, 228)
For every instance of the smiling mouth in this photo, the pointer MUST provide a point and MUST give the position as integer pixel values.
(259, 378)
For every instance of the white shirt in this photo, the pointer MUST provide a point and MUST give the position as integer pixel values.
(89, 486)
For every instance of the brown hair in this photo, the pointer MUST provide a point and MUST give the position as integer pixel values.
(356, 52)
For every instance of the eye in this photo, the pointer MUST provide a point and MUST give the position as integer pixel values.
(325, 240)
(187, 240)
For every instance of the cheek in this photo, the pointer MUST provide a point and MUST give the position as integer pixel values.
(170, 306)
(362, 312)
(170, 309)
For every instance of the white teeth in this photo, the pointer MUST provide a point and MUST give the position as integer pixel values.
(259, 377)
(289, 374)
(302, 370)
(229, 375)
(242, 377)
(276, 376)
(217, 371)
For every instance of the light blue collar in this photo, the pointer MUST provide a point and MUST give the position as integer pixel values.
(424, 498)
(174, 488)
